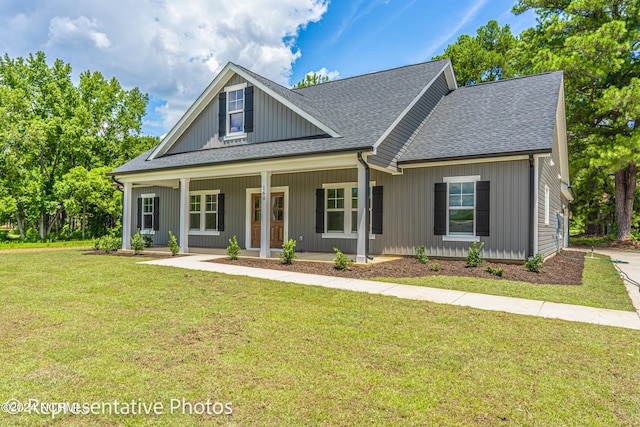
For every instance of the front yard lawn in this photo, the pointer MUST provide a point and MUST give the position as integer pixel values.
(81, 328)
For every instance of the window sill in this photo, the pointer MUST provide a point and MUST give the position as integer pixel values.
(352, 236)
(234, 136)
(143, 231)
(203, 233)
(460, 238)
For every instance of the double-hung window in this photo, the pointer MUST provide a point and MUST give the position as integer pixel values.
(341, 210)
(235, 112)
(461, 211)
(203, 212)
(147, 214)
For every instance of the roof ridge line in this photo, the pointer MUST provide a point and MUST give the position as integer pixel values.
(509, 79)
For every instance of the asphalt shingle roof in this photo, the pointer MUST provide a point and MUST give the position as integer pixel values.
(359, 109)
(507, 116)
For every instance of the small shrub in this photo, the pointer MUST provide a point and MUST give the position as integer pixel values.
(32, 235)
(534, 263)
(421, 256)
(109, 243)
(288, 252)
(474, 258)
(434, 266)
(342, 261)
(137, 243)
(148, 240)
(233, 250)
(173, 244)
(96, 244)
(494, 271)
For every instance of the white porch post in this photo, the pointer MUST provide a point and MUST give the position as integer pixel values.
(265, 214)
(184, 215)
(126, 215)
(363, 233)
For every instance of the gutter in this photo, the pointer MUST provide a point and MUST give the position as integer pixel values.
(532, 203)
(116, 184)
(366, 203)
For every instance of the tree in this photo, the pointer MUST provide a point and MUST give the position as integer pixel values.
(312, 79)
(597, 44)
(487, 56)
(48, 126)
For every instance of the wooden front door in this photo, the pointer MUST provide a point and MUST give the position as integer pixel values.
(276, 220)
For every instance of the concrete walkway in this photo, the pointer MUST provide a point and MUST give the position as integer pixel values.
(575, 313)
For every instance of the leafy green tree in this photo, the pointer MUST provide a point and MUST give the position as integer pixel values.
(48, 126)
(312, 79)
(597, 44)
(487, 56)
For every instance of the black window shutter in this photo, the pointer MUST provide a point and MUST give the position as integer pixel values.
(156, 213)
(320, 210)
(139, 225)
(440, 209)
(221, 212)
(248, 109)
(482, 208)
(222, 114)
(376, 210)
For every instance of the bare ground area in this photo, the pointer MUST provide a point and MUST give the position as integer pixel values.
(556, 270)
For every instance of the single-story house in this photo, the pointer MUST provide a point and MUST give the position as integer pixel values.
(373, 164)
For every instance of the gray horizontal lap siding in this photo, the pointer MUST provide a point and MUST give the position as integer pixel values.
(272, 121)
(408, 210)
(168, 217)
(390, 149)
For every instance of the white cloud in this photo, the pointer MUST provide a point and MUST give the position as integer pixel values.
(169, 48)
(333, 75)
(64, 30)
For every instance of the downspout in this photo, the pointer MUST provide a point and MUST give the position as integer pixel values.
(367, 174)
(532, 204)
(117, 184)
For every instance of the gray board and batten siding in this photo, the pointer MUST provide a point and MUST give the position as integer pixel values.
(408, 210)
(548, 175)
(272, 121)
(168, 215)
(391, 148)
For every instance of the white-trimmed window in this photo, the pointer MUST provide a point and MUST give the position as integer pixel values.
(148, 213)
(546, 205)
(203, 212)
(461, 207)
(235, 111)
(341, 210)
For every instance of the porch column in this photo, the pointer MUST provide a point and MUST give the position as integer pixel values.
(184, 215)
(363, 232)
(265, 213)
(126, 215)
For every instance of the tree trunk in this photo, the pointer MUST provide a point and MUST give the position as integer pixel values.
(41, 222)
(625, 193)
(20, 224)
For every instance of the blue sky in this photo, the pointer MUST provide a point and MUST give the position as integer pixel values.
(172, 49)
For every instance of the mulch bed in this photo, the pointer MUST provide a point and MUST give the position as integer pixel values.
(556, 270)
(131, 254)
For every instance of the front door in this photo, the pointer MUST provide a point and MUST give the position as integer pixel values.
(276, 220)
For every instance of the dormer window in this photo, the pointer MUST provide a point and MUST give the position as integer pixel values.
(235, 108)
(236, 111)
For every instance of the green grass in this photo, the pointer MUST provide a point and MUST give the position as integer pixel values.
(587, 241)
(38, 245)
(84, 328)
(601, 287)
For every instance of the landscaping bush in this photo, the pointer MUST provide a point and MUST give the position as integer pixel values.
(110, 243)
(137, 242)
(233, 250)
(534, 263)
(288, 252)
(148, 240)
(474, 258)
(434, 266)
(342, 261)
(421, 256)
(494, 271)
(173, 244)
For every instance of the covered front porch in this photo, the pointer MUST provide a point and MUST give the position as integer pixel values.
(206, 207)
